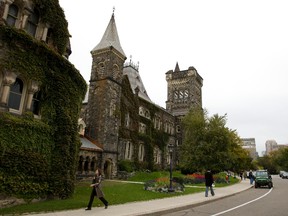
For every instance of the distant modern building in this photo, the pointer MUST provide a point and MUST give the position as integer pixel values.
(272, 145)
(250, 145)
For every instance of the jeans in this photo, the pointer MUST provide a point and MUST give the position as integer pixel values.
(207, 190)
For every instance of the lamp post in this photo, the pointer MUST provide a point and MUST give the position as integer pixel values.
(170, 148)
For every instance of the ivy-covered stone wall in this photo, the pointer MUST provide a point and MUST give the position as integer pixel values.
(38, 157)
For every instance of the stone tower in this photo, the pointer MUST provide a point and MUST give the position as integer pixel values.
(184, 90)
(104, 96)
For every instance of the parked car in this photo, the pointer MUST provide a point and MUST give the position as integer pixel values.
(263, 178)
(281, 173)
(284, 175)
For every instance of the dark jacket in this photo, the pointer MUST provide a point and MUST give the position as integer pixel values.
(97, 180)
(209, 179)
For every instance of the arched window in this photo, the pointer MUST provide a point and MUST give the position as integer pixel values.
(128, 150)
(32, 23)
(12, 15)
(36, 103)
(141, 152)
(15, 95)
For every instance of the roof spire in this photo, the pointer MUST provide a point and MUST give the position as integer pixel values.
(110, 37)
(177, 69)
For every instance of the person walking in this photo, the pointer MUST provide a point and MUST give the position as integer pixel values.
(209, 182)
(251, 177)
(96, 190)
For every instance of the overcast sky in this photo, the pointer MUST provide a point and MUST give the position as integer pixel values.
(239, 47)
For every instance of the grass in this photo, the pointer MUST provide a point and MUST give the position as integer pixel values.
(115, 193)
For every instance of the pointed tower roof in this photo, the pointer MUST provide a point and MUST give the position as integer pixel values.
(110, 38)
(177, 69)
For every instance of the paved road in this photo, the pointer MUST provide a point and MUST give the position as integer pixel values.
(252, 202)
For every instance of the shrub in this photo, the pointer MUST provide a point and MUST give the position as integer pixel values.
(125, 165)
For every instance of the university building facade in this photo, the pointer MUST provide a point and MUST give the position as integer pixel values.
(119, 123)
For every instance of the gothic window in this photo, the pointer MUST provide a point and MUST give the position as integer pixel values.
(157, 155)
(141, 112)
(141, 152)
(147, 114)
(142, 128)
(176, 95)
(186, 94)
(16, 94)
(181, 95)
(32, 23)
(128, 150)
(36, 103)
(127, 120)
(12, 15)
(166, 127)
(159, 124)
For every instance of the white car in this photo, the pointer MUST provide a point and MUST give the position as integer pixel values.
(285, 175)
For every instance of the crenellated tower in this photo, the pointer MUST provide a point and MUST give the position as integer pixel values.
(184, 90)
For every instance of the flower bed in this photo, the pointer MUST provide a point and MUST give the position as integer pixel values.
(163, 185)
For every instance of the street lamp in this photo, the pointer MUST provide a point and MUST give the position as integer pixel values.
(170, 148)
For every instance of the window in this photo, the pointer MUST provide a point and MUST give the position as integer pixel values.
(36, 103)
(175, 94)
(186, 94)
(32, 23)
(48, 36)
(128, 150)
(127, 120)
(157, 155)
(12, 15)
(16, 94)
(141, 152)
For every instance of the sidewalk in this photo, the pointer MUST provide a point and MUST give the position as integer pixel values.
(155, 207)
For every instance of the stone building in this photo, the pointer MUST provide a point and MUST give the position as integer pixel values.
(122, 123)
(41, 94)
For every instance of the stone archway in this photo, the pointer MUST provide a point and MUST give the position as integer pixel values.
(108, 169)
(81, 165)
(87, 165)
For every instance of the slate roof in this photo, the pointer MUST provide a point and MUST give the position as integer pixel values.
(135, 80)
(110, 38)
(86, 144)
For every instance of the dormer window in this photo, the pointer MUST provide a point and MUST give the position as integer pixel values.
(32, 23)
(12, 15)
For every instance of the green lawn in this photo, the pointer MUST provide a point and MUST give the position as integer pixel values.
(115, 193)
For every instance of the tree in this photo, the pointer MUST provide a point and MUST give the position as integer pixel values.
(209, 144)
(280, 158)
(267, 162)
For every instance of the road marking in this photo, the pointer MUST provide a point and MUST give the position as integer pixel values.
(223, 212)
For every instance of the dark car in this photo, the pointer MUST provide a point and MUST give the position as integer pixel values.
(263, 178)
